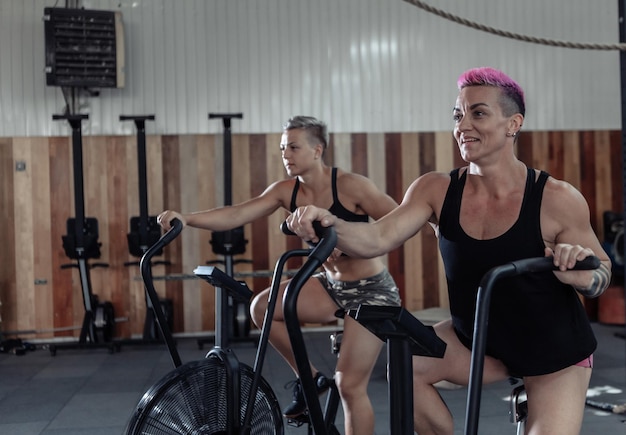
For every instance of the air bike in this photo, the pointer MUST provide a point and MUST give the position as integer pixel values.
(218, 394)
(394, 325)
(519, 408)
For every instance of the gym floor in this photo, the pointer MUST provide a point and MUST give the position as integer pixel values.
(94, 391)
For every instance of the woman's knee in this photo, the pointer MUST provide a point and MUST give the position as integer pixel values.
(258, 306)
(424, 372)
(350, 385)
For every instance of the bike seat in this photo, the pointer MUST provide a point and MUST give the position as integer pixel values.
(396, 322)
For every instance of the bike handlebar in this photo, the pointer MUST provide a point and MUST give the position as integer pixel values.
(544, 264)
(317, 226)
(285, 229)
(319, 254)
(145, 266)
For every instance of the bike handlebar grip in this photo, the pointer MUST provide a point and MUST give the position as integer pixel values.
(588, 263)
(166, 239)
(177, 227)
(544, 264)
(285, 229)
(317, 226)
(327, 243)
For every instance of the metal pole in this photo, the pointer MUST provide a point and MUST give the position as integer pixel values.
(222, 312)
(140, 124)
(622, 58)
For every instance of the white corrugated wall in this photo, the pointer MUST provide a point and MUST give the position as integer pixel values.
(361, 65)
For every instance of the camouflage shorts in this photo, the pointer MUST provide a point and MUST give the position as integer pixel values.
(379, 289)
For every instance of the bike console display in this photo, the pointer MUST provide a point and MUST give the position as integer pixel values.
(217, 278)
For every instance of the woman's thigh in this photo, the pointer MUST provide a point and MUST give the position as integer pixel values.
(359, 352)
(314, 303)
(455, 365)
(556, 402)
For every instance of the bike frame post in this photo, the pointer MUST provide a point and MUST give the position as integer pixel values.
(622, 58)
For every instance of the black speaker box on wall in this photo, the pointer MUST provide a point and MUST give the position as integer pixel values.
(84, 48)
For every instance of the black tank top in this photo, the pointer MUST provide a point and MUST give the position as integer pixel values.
(537, 324)
(336, 208)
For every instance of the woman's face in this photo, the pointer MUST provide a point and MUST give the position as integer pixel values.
(297, 153)
(480, 127)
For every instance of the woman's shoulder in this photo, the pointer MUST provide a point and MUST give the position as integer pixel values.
(281, 189)
(287, 183)
(437, 178)
(350, 180)
(562, 193)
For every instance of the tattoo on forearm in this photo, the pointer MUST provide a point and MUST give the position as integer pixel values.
(599, 282)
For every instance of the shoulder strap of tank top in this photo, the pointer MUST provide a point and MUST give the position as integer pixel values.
(537, 186)
(543, 177)
(533, 196)
(457, 182)
(451, 202)
(334, 185)
(294, 193)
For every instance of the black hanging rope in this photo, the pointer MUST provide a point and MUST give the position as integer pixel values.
(543, 41)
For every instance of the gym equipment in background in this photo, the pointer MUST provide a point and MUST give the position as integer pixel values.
(81, 244)
(145, 231)
(233, 316)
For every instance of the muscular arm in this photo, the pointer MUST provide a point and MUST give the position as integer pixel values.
(421, 202)
(229, 217)
(568, 235)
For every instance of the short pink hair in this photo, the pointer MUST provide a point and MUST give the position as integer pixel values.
(513, 95)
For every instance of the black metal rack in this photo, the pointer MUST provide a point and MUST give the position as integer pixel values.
(81, 244)
(145, 232)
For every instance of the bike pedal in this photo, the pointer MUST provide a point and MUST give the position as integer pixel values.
(299, 420)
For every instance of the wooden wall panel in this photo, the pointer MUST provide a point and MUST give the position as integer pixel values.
(172, 200)
(392, 158)
(115, 283)
(446, 149)
(8, 278)
(341, 145)
(206, 197)
(413, 287)
(588, 172)
(617, 198)
(62, 207)
(186, 173)
(133, 295)
(571, 158)
(603, 183)
(190, 147)
(42, 264)
(259, 176)
(242, 182)
(23, 227)
(430, 259)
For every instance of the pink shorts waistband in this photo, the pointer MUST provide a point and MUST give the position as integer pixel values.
(587, 362)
